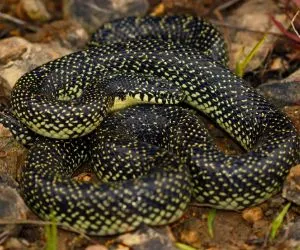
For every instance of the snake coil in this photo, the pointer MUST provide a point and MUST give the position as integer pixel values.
(150, 158)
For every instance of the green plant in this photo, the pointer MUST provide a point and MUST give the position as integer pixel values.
(242, 64)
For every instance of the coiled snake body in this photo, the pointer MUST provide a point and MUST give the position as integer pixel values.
(151, 158)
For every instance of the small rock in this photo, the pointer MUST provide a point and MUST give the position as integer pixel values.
(293, 230)
(14, 243)
(12, 207)
(69, 33)
(253, 214)
(93, 13)
(293, 112)
(189, 232)
(29, 56)
(35, 10)
(192, 237)
(4, 132)
(96, 247)
(12, 49)
(281, 93)
(119, 247)
(278, 63)
(147, 238)
(291, 188)
(12, 155)
(4, 93)
(285, 92)
(83, 177)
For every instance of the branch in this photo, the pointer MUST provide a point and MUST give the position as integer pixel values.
(18, 22)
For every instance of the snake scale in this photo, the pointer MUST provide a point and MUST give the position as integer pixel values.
(151, 159)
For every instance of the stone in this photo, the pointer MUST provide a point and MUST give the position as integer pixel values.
(12, 207)
(147, 238)
(291, 188)
(293, 112)
(17, 62)
(68, 33)
(281, 93)
(94, 13)
(252, 214)
(12, 48)
(35, 10)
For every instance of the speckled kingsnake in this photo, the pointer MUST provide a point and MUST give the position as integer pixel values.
(159, 60)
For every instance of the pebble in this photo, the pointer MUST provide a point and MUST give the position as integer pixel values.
(14, 243)
(252, 214)
(293, 230)
(94, 13)
(291, 188)
(12, 49)
(96, 247)
(12, 154)
(22, 56)
(68, 33)
(190, 232)
(83, 177)
(35, 10)
(293, 112)
(12, 207)
(281, 93)
(147, 238)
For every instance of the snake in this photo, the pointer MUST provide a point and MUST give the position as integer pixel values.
(128, 105)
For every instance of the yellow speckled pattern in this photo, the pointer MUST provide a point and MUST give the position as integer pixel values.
(150, 158)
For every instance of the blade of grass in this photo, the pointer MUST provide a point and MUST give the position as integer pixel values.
(51, 235)
(182, 246)
(241, 65)
(210, 221)
(277, 222)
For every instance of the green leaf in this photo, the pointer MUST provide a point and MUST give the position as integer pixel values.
(182, 246)
(51, 235)
(241, 65)
(276, 224)
(210, 221)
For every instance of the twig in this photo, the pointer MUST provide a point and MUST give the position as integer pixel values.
(292, 23)
(18, 22)
(226, 5)
(44, 223)
(231, 26)
(97, 8)
(217, 7)
(287, 33)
